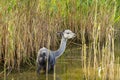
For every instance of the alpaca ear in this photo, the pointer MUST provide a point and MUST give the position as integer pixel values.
(60, 33)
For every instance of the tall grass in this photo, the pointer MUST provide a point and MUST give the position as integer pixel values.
(27, 25)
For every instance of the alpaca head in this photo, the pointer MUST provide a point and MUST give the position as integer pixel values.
(67, 34)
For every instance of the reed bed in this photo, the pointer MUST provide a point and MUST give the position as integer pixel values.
(28, 25)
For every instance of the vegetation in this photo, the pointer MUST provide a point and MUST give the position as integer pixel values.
(27, 25)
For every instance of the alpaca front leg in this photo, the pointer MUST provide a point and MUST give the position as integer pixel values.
(53, 64)
(38, 69)
(46, 68)
(49, 67)
(52, 67)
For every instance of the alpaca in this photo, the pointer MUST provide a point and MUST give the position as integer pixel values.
(45, 54)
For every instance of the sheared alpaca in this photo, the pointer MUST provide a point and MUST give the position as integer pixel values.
(45, 54)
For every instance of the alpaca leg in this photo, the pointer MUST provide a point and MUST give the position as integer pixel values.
(52, 67)
(53, 63)
(49, 67)
(38, 69)
(44, 68)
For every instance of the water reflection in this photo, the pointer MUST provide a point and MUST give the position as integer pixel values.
(67, 68)
(49, 77)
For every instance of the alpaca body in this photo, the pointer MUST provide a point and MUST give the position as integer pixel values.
(45, 54)
(51, 56)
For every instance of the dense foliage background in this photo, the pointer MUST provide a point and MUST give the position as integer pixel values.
(27, 25)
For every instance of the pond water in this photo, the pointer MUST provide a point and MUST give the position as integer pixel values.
(68, 67)
(66, 70)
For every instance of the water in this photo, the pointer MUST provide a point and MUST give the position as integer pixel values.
(65, 70)
(68, 67)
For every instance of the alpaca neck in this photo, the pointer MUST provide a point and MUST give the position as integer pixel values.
(62, 47)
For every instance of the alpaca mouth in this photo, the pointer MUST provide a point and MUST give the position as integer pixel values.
(74, 35)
